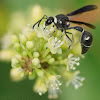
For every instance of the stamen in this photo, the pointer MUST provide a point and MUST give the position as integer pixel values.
(80, 78)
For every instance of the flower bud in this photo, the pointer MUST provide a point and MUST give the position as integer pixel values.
(15, 74)
(32, 76)
(48, 57)
(35, 54)
(39, 66)
(14, 39)
(35, 61)
(59, 51)
(15, 61)
(39, 72)
(29, 36)
(17, 46)
(29, 45)
(24, 54)
(22, 74)
(23, 39)
(40, 86)
(51, 61)
(36, 12)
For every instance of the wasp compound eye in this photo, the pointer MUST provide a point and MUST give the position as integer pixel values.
(86, 41)
(49, 21)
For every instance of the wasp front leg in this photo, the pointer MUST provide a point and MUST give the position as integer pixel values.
(53, 32)
(38, 22)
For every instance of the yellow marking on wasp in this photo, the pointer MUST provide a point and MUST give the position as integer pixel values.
(87, 38)
(55, 19)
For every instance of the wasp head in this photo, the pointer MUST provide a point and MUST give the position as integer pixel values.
(49, 21)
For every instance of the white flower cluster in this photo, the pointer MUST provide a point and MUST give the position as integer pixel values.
(42, 55)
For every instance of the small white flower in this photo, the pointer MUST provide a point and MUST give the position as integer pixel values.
(75, 80)
(53, 85)
(55, 48)
(53, 82)
(15, 74)
(45, 33)
(52, 93)
(40, 87)
(71, 61)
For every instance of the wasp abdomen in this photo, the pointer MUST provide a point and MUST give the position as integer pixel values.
(86, 41)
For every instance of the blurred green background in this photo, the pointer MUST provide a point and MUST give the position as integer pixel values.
(90, 66)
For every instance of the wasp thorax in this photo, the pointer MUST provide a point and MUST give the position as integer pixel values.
(49, 21)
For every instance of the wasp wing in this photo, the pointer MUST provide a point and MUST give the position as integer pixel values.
(84, 23)
(83, 9)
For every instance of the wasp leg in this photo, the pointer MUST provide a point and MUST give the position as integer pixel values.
(45, 28)
(44, 17)
(72, 36)
(78, 28)
(59, 38)
(53, 32)
(70, 40)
